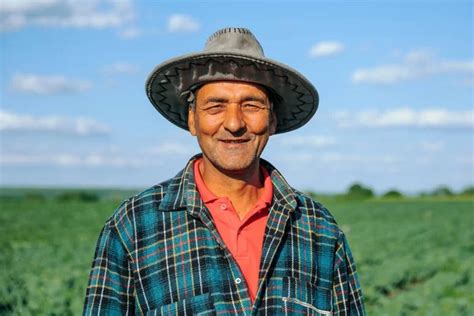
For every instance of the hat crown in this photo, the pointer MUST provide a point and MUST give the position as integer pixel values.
(234, 40)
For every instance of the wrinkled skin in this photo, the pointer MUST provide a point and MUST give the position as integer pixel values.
(232, 122)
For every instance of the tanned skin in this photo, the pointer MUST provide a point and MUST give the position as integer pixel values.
(232, 122)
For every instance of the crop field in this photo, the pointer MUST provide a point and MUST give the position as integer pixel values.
(414, 256)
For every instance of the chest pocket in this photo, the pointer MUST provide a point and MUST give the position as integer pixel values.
(301, 298)
(197, 305)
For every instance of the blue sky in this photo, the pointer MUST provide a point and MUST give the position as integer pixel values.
(395, 81)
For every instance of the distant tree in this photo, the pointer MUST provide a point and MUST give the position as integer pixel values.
(393, 194)
(34, 196)
(84, 196)
(358, 191)
(442, 191)
(469, 191)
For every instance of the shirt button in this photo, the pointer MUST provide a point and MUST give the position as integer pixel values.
(237, 281)
(223, 206)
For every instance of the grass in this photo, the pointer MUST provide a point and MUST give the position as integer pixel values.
(47, 248)
(414, 256)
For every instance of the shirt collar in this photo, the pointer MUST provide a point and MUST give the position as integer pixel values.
(181, 191)
(208, 197)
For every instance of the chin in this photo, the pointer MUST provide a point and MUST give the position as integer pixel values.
(234, 165)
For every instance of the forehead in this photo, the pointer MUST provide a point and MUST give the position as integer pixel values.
(231, 89)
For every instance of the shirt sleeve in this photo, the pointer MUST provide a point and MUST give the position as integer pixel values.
(347, 294)
(110, 290)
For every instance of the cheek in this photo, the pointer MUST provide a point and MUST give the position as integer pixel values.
(206, 125)
(258, 125)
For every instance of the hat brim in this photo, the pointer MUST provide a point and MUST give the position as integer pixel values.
(298, 98)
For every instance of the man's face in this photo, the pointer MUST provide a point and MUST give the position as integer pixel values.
(232, 122)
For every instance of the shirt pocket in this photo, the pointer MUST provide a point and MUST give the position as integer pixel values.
(197, 305)
(302, 298)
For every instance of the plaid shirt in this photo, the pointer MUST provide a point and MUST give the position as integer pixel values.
(160, 254)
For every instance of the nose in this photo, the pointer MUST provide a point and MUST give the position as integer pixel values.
(234, 119)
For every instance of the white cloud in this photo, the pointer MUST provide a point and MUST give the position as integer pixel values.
(120, 68)
(466, 160)
(384, 74)
(468, 82)
(70, 160)
(308, 141)
(415, 65)
(11, 122)
(182, 23)
(295, 158)
(15, 14)
(327, 48)
(336, 158)
(432, 146)
(418, 56)
(129, 33)
(407, 117)
(47, 85)
(172, 148)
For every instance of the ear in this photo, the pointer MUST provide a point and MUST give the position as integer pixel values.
(273, 122)
(191, 123)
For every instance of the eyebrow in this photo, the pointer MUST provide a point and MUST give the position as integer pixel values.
(224, 100)
(215, 100)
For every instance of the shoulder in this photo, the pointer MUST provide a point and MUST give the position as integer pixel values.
(306, 209)
(317, 213)
(147, 200)
(136, 211)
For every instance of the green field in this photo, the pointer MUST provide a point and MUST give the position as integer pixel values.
(415, 257)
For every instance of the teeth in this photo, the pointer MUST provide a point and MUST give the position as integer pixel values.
(234, 141)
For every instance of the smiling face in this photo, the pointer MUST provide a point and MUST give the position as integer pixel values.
(232, 122)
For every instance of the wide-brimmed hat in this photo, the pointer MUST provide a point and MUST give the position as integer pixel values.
(232, 54)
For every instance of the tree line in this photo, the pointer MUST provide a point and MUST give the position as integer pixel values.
(356, 191)
(360, 191)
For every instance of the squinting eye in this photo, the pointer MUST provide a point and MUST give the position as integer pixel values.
(214, 109)
(252, 107)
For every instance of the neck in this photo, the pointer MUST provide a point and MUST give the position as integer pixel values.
(218, 180)
(242, 187)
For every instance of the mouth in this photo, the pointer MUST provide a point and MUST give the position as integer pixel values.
(234, 141)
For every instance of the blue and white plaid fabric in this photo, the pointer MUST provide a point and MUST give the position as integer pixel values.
(160, 254)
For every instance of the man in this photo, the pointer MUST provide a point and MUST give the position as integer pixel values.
(227, 235)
